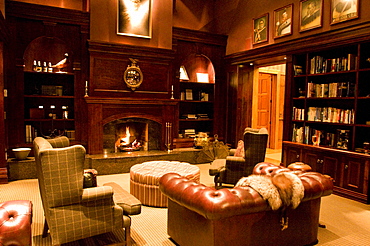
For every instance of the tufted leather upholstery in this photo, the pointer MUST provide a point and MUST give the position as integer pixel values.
(15, 223)
(242, 209)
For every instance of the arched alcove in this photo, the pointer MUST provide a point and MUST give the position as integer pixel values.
(197, 67)
(48, 49)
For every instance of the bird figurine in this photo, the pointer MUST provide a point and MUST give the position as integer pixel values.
(62, 63)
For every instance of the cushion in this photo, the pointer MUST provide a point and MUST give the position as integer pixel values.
(90, 178)
(239, 152)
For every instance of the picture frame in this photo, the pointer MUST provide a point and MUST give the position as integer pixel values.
(310, 14)
(283, 18)
(343, 10)
(260, 29)
(134, 18)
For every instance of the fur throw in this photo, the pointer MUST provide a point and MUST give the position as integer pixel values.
(284, 189)
(264, 186)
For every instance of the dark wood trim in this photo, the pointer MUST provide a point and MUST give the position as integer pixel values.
(325, 40)
(46, 13)
(131, 50)
(130, 101)
(199, 36)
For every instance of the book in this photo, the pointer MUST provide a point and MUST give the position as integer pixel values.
(297, 70)
(188, 94)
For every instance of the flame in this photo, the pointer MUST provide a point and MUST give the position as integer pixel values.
(124, 142)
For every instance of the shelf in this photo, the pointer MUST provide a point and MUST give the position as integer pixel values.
(195, 120)
(329, 73)
(53, 73)
(195, 101)
(47, 120)
(49, 97)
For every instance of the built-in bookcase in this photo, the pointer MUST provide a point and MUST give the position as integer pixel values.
(329, 126)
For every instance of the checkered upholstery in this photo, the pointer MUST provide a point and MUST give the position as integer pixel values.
(255, 143)
(144, 179)
(71, 212)
(130, 204)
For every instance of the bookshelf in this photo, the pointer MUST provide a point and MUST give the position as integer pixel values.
(195, 109)
(329, 125)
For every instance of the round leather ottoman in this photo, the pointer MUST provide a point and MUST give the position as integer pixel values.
(144, 179)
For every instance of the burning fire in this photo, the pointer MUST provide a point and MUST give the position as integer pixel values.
(123, 143)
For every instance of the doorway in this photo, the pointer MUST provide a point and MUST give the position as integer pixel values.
(268, 102)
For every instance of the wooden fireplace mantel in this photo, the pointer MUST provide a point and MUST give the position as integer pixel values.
(102, 110)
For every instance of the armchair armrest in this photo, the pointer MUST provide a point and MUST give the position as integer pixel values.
(232, 152)
(129, 203)
(235, 158)
(97, 193)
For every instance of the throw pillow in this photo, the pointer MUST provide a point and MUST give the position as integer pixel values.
(240, 149)
(90, 178)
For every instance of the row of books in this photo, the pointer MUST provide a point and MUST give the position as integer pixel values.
(336, 139)
(335, 89)
(320, 64)
(31, 133)
(188, 95)
(189, 133)
(331, 114)
(298, 113)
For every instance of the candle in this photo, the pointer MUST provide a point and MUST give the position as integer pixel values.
(86, 84)
(172, 88)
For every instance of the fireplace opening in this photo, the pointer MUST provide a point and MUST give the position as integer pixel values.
(131, 134)
(131, 137)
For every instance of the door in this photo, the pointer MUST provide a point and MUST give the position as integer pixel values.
(264, 101)
(266, 105)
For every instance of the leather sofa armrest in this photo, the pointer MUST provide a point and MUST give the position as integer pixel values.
(97, 193)
(209, 202)
(15, 222)
(315, 184)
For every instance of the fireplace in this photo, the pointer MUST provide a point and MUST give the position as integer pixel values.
(131, 134)
(146, 119)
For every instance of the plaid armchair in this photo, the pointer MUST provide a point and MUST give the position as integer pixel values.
(71, 212)
(255, 143)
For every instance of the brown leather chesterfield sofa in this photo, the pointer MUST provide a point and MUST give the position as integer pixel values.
(201, 215)
(15, 223)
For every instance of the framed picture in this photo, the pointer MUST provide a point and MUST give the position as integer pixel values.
(134, 18)
(260, 29)
(343, 10)
(283, 21)
(310, 14)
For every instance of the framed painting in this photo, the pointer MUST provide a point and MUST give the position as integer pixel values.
(283, 21)
(310, 14)
(260, 29)
(343, 10)
(134, 18)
